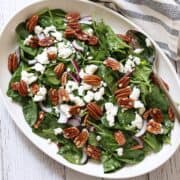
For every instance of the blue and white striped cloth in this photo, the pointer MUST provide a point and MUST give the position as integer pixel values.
(159, 18)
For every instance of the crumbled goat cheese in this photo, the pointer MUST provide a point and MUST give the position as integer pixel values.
(77, 100)
(71, 86)
(89, 57)
(82, 73)
(111, 112)
(43, 57)
(57, 35)
(89, 96)
(138, 121)
(28, 77)
(142, 110)
(135, 93)
(138, 104)
(148, 42)
(39, 68)
(58, 131)
(38, 30)
(138, 51)
(41, 94)
(49, 29)
(137, 60)
(52, 49)
(91, 69)
(64, 113)
(119, 151)
(65, 50)
(99, 94)
(98, 138)
(27, 40)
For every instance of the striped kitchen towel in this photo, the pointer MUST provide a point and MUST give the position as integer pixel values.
(159, 18)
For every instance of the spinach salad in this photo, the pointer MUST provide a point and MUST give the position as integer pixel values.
(89, 90)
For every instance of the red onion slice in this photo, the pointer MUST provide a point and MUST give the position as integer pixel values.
(138, 140)
(142, 131)
(86, 20)
(76, 67)
(73, 76)
(84, 159)
(74, 122)
(77, 46)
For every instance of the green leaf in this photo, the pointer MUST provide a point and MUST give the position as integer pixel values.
(110, 163)
(132, 156)
(70, 152)
(156, 99)
(22, 31)
(92, 139)
(153, 142)
(30, 112)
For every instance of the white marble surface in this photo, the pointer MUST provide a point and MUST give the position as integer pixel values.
(21, 160)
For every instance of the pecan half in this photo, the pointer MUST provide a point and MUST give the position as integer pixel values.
(34, 88)
(155, 114)
(94, 110)
(74, 25)
(171, 113)
(59, 69)
(32, 22)
(120, 138)
(70, 33)
(54, 96)
(124, 81)
(123, 92)
(93, 80)
(71, 132)
(72, 16)
(15, 86)
(82, 36)
(125, 103)
(12, 62)
(39, 120)
(74, 110)
(52, 55)
(112, 63)
(63, 95)
(154, 127)
(93, 152)
(34, 42)
(46, 42)
(64, 78)
(81, 139)
(23, 88)
(124, 37)
(93, 40)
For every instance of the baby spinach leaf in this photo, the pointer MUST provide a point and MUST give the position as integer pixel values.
(153, 142)
(30, 111)
(92, 139)
(110, 163)
(22, 31)
(156, 99)
(50, 78)
(132, 156)
(70, 152)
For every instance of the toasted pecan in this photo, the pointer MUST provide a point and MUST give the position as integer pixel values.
(93, 152)
(93, 80)
(12, 62)
(81, 139)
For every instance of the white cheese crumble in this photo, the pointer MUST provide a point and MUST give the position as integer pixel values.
(65, 49)
(111, 112)
(38, 30)
(39, 68)
(135, 93)
(138, 121)
(41, 94)
(89, 97)
(58, 131)
(49, 29)
(138, 50)
(64, 113)
(28, 77)
(43, 57)
(91, 69)
(27, 40)
(138, 104)
(77, 100)
(82, 73)
(99, 94)
(98, 138)
(148, 42)
(71, 86)
(119, 151)
(52, 49)
(57, 35)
